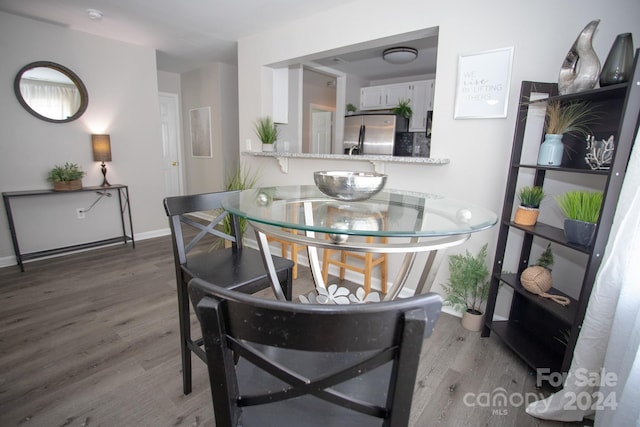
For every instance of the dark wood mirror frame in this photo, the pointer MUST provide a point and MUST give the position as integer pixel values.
(84, 95)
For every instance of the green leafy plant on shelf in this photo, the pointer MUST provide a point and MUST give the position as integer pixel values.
(531, 197)
(403, 109)
(581, 205)
(351, 108)
(68, 172)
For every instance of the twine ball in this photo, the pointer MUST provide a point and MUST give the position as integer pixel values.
(536, 279)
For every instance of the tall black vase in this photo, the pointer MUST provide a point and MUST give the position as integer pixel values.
(617, 67)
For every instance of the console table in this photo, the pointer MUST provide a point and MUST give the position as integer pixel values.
(125, 212)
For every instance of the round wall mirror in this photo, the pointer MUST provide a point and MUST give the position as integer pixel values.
(51, 92)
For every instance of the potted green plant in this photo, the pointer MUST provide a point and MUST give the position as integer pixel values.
(468, 287)
(529, 209)
(351, 108)
(572, 117)
(66, 178)
(581, 209)
(403, 109)
(267, 132)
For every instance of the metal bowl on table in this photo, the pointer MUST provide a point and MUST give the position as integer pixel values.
(350, 186)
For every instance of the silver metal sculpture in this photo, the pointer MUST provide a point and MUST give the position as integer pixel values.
(581, 68)
(599, 153)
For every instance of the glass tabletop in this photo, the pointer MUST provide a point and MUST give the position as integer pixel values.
(390, 213)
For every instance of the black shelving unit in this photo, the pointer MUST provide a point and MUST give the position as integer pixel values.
(534, 329)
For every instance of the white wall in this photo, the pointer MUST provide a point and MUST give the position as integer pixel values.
(213, 85)
(540, 32)
(123, 102)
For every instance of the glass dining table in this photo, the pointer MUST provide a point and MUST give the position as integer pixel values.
(411, 222)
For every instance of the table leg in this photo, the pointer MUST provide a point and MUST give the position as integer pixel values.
(263, 243)
(312, 251)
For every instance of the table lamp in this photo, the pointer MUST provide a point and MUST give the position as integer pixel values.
(102, 153)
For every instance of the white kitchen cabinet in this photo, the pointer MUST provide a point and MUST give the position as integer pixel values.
(280, 111)
(421, 104)
(372, 97)
(384, 96)
(397, 92)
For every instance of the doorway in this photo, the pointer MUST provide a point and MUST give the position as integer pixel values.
(321, 137)
(171, 144)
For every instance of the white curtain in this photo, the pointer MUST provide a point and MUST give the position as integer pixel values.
(54, 100)
(605, 372)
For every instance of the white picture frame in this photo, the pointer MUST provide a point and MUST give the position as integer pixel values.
(484, 80)
(200, 127)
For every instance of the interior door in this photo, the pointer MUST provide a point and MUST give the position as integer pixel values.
(171, 144)
(321, 134)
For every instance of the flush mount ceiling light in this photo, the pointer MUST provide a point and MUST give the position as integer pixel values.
(400, 55)
(94, 14)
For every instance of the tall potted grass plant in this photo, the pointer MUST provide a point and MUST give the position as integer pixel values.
(582, 211)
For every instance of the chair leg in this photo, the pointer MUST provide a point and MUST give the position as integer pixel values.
(294, 258)
(185, 335)
(287, 285)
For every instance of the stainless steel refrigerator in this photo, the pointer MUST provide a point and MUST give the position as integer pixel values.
(372, 133)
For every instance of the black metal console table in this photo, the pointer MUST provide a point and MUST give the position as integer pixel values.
(125, 208)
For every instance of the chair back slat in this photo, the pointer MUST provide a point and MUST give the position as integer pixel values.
(180, 210)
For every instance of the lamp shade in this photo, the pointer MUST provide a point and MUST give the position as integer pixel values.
(101, 148)
(400, 55)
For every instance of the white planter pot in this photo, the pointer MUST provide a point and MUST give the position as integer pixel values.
(268, 147)
(472, 322)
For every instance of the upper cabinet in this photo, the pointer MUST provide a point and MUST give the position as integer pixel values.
(419, 94)
(421, 104)
(385, 96)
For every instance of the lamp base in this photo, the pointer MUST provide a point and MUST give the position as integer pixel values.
(105, 183)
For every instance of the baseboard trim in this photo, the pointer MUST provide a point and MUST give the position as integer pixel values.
(11, 260)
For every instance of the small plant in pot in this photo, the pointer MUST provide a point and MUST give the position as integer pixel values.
(581, 210)
(468, 287)
(403, 109)
(351, 108)
(529, 209)
(66, 178)
(267, 132)
(573, 117)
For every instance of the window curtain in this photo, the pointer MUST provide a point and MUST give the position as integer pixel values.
(604, 376)
(53, 100)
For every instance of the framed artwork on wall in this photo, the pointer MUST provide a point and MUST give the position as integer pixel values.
(200, 126)
(482, 89)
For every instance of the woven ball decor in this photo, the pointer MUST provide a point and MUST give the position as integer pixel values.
(537, 280)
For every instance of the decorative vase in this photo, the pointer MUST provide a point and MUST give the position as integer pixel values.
(472, 321)
(579, 232)
(551, 150)
(269, 147)
(581, 68)
(526, 215)
(617, 67)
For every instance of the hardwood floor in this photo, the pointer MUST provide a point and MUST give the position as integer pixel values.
(91, 339)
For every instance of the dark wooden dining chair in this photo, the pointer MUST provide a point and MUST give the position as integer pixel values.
(236, 267)
(311, 365)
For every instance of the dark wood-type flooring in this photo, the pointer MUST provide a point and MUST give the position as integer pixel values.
(91, 339)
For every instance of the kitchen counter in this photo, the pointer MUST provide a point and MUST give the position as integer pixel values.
(378, 161)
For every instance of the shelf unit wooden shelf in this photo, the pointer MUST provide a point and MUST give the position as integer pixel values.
(540, 331)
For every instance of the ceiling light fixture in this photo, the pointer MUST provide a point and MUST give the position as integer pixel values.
(94, 14)
(400, 55)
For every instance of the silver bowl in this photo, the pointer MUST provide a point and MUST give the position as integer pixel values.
(351, 186)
